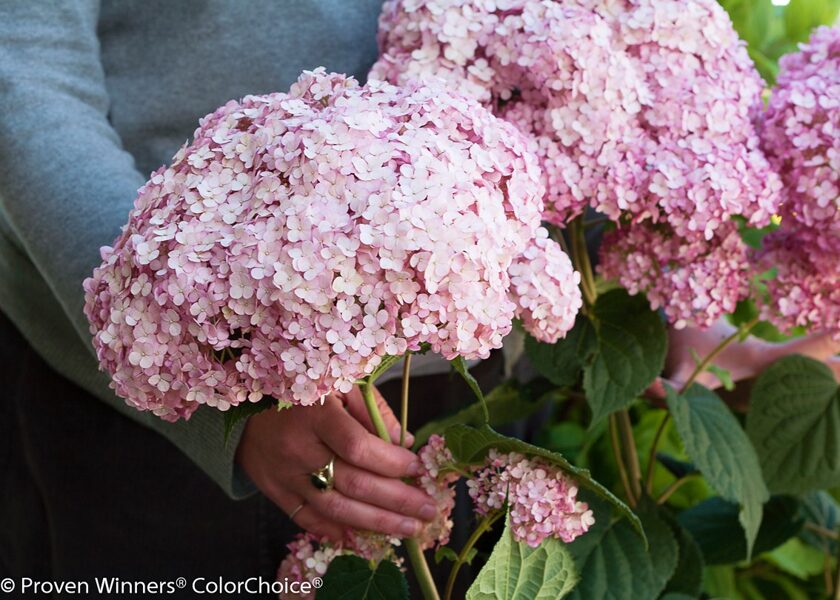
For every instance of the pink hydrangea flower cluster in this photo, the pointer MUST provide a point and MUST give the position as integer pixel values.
(693, 280)
(542, 501)
(310, 557)
(439, 484)
(634, 109)
(303, 236)
(801, 136)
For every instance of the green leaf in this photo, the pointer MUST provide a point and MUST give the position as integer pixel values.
(801, 16)
(798, 559)
(460, 365)
(614, 564)
(821, 509)
(794, 423)
(723, 375)
(687, 578)
(722, 451)
(445, 553)
(515, 571)
(507, 403)
(470, 446)
(713, 523)
(352, 578)
(562, 362)
(240, 412)
(630, 353)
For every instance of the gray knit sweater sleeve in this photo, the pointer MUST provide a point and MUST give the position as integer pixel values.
(67, 184)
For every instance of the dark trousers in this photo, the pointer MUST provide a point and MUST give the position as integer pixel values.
(86, 492)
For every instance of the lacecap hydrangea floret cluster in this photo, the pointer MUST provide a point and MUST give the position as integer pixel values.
(801, 136)
(643, 111)
(303, 236)
(541, 500)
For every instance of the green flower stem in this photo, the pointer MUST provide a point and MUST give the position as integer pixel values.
(619, 461)
(415, 554)
(652, 458)
(625, 429)
(404, 398)
(373, 411)
(663, 498)
(580, 259)
(482, 528)
(742, 331)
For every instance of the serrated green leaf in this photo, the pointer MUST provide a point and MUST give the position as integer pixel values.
(713, 523)
(470, 445)
(614, 564)
(630, 353)
(794, 423)
(506, 403)
(720, 448)
(515, 571)
(352, 578)
(236, 414)
(562, 362)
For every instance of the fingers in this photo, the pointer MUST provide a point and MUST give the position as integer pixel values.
(337, 507)
(305, 518)
(355, 404)
(390, 494)
(348, 439)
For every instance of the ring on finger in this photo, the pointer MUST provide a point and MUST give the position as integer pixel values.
(324, 478)
(297, 510)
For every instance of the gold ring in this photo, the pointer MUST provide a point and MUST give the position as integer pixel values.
(324, 478)
(296, 511)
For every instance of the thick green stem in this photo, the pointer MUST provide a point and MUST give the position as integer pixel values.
(625, 429)
(415, 554)
(652, 458)
(404, 398)
(482, 528)
(580, 259)
(373, 411)
(619, 461)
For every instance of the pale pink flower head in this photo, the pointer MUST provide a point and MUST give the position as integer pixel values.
(801, 135)
(643, 110)
(694, 280)
(541, 499)
(801, 131)
(303, 236)
(438, 480)
(804, 283)
(310, 557)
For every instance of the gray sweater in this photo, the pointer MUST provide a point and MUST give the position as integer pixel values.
(96, 95)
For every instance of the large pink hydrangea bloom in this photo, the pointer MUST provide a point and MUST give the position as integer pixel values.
(643, 110)
(801, 136)
(302, 237)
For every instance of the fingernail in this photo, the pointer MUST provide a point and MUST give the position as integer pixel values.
(427, 513)
(409, 527)
(414, 469)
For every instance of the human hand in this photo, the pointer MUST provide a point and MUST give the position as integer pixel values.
(280, 449)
